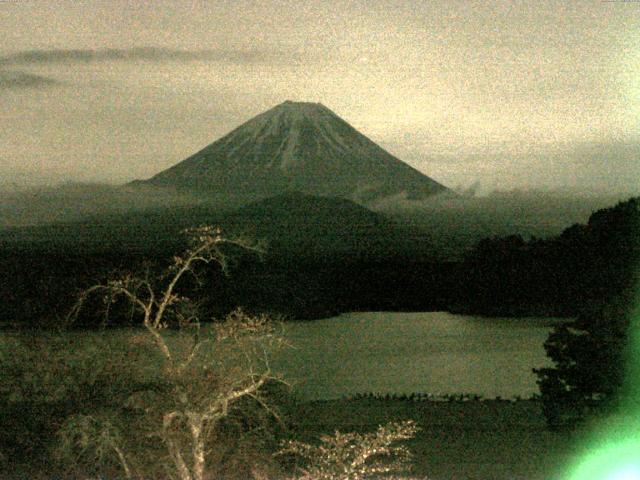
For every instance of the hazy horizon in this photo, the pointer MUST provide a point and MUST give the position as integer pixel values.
(507, 95)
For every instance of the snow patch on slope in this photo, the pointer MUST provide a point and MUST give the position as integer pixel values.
(288, 155)
(298, 145)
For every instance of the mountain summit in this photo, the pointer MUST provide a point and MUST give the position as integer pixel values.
(297, 146)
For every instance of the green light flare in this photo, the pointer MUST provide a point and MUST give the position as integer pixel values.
(617, 460)
(614, 448)
(627, 474)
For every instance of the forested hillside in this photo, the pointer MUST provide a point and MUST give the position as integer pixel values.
(584, 266)
(325, 256)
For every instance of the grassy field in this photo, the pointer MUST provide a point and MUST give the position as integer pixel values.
(483, 440)
(487, 440)
(472, 440)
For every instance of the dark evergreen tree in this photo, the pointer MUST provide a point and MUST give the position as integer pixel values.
(594, 355)
(589, 358)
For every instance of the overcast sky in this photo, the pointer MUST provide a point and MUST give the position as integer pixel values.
(512, 94)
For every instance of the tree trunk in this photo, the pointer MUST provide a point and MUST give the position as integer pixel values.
(196, 424)
(123, 462)
(174, 449)
(183, 470)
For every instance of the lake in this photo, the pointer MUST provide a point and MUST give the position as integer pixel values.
(426, 352)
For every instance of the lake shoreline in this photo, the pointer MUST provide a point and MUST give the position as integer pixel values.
(474, 440)
(399, 353)
(471, 440)
(407, 352)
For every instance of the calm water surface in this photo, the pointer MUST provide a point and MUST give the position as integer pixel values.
(431, 352)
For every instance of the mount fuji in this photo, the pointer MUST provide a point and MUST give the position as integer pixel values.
(296, 146)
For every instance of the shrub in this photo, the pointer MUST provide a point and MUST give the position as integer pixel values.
(354, 456)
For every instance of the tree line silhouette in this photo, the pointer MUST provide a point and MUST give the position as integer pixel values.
(565, 275)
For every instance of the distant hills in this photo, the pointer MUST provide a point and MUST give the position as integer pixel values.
(296, 146)
(322, 255)
(288, 224)
(303, 181)
(308, 224)
(587, 265)
(326, 255)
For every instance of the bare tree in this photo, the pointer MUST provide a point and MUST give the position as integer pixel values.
(208, 371)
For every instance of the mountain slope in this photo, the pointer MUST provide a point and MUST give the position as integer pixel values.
(297, 146)
(291, 224)
(307, 225)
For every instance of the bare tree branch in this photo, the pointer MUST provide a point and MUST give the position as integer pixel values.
(198, 398)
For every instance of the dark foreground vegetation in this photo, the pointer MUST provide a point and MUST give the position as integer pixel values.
(170, 399)
(71, 402)
(324, 257)
(474, 440)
